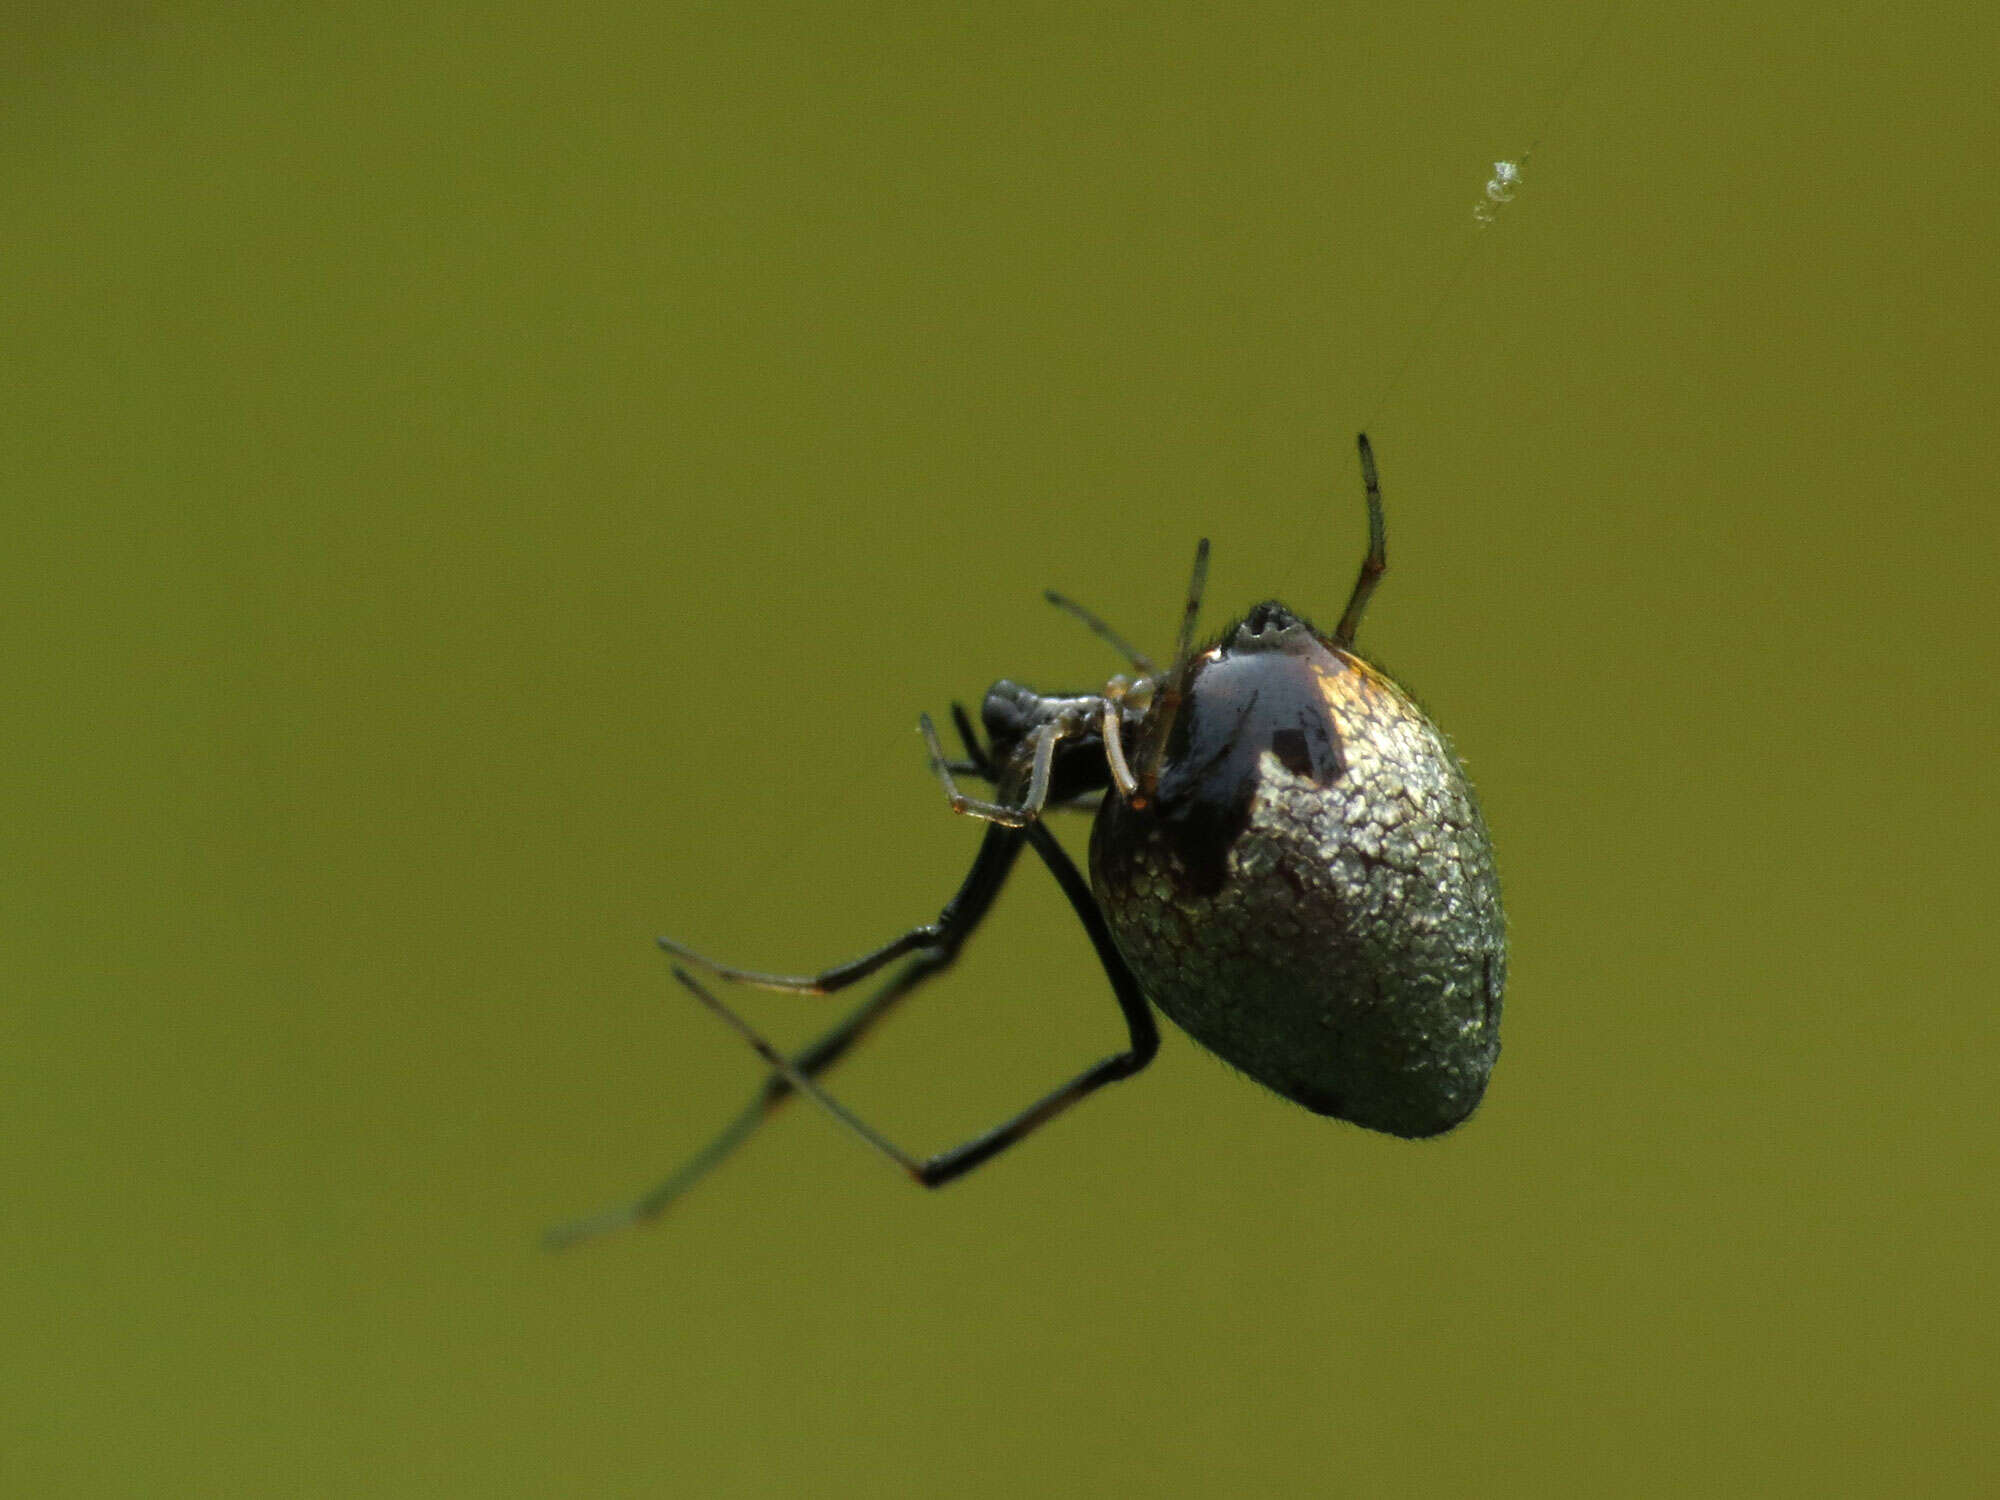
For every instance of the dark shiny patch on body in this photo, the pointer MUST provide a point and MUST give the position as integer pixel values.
(1289, 745)
(1236, 707)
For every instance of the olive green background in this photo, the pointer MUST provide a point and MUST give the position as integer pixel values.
(485, 485)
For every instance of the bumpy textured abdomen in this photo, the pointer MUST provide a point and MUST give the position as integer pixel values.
(1336, 930)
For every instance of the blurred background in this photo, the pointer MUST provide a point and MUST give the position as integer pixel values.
(486, 485)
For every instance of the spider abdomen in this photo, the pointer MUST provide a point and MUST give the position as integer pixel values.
(1310, 893)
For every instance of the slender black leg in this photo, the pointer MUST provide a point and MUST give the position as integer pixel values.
(1376, 561)
(1133, 654)
(954, 925)
(1167, 702)
(977, 761)
(961, 915)
(822, 1053)
(1143, 1043)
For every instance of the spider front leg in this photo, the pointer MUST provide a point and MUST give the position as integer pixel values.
(977, 762)
(1143, 1041)
(811, 1060)
(1033, 801)
(935, 946)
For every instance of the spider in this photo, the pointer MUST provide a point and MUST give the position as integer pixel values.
(1287, 859)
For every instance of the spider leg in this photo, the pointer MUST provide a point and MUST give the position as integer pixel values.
(954, 924)
(1032, 802)
(976, 755)
(936, 945)
(1143, 1042)
(819, 1054)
